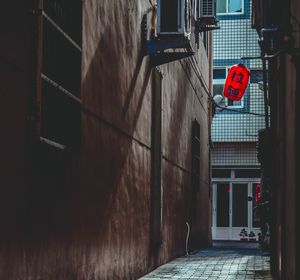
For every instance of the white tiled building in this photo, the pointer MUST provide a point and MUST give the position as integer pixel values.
(235, 169)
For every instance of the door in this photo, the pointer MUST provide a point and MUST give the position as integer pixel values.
(239, 209)
(221, 211)
(232, 210)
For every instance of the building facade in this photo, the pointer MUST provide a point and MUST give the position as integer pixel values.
(278, 22)
(235, 168)
(104, 152)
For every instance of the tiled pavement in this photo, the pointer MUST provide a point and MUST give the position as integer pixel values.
(219, 262)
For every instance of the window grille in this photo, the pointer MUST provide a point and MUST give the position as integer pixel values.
(60, 104)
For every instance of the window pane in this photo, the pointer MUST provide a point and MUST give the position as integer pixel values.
(219, 73)
(221, 6)
(69, 19)
(61, 60)
(234, 6)
(169, 16)
(60, 117)
(223, 191)
(221, 173)
(247, 173)
(234, 103)
(240, 205)
(256, 76)
(218, 89)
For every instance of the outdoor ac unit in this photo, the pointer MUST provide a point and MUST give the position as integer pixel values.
(174, 18)
(208, 9)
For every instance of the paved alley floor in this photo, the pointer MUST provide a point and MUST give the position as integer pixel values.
(223, 261)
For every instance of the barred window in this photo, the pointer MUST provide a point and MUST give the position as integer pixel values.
(60, 103)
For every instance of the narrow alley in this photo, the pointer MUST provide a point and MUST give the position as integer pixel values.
(230, 260)
(149, 139)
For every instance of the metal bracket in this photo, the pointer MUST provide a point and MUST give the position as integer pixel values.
(156, 49)
(207, 24)
(166, 57)
(208, 28)
(155, 46)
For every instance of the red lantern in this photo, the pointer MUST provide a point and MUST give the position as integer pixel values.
(236, 82)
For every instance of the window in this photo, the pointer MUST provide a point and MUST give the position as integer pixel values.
(169, 14)
(219, 73)
(229, 7)
(247, 173)
(221, 173)
(219, 77)
(60, 104)
(223, 205)
(256, 76)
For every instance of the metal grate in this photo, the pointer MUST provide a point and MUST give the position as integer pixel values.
(60, 104)
(207, 8)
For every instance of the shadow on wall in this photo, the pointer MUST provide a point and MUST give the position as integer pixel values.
(175, 120)
(109, 123)
(84, 212)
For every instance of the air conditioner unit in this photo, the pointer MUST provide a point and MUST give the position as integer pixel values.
(207, 17)
(174, 18)
(208, 9)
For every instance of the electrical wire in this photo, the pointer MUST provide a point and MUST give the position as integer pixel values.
(152, 4)
(295, 19)
(192, 61)
(197, 67)
(200, 78)
(238, 111)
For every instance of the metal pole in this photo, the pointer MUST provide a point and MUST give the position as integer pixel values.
(264, 62)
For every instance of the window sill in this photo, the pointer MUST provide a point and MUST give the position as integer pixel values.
(230, 14)
(235, 107)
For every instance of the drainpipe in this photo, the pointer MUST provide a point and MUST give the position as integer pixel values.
(265, 89)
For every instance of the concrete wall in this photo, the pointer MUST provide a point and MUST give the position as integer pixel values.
(86, 214)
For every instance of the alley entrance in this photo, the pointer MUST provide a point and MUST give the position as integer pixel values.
(230, 260)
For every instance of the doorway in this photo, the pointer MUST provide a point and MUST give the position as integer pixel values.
(233, 209)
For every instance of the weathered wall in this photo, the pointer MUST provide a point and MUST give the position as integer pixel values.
(284, 97)
(86, 214)
(14, 86)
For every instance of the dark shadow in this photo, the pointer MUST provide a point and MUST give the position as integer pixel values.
(141, 56)
(133, 84)
(175, 101)
(76, 202)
